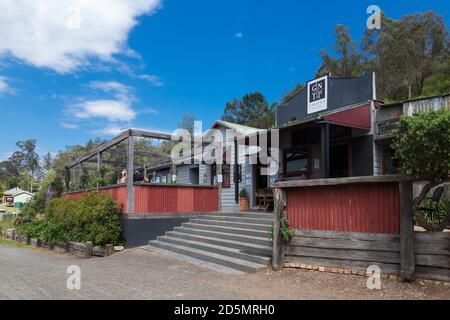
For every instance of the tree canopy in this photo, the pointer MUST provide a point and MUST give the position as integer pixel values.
(411, 56)
(252, 110)
(347, 60)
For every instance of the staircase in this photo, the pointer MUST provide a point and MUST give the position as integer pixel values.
(238, 241)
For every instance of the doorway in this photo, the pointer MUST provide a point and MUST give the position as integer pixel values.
(194, 176)
(339, 161)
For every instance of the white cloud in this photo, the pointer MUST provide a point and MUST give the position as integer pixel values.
(69, 125)
(108, 86)
(65, 35)
(108, 131)
(149, 111)
(154, 80)
(4, 86)
(111, 110)
(239, 35)
(117, 109)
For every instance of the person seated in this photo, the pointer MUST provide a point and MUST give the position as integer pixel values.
(139, 175)
(123, 179)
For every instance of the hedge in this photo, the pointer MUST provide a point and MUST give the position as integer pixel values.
(95, 218)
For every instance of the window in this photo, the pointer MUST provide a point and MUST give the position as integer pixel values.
(296, 162)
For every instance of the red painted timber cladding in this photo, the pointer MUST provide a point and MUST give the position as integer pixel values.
(372, 208)
(160, 199)
(119, 194)
(206, 199)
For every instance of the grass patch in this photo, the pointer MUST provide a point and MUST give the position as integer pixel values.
(12, 243)
(9, 209)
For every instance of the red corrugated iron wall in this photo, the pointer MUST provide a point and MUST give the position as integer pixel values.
(372, 208)
(119, 194)
(160, 199)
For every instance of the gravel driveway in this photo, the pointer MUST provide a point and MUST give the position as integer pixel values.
(143, 274)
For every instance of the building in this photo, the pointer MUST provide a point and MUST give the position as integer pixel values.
(207, 175)
(387, 118)
(16, 195)
(326, 129)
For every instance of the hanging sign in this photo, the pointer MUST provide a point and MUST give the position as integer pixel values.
(317, 95)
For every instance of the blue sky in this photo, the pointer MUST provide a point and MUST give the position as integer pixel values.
(104, 65)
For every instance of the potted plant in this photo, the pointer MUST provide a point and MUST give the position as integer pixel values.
(243, 200)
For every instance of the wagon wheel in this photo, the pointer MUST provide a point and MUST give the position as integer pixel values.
(434, 222)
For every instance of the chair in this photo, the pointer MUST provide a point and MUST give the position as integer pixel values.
(433, 201)
(264, 199)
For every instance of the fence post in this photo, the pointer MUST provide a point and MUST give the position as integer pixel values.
(88, 248)
(109, 250)
(278, 246)
(67, 246)
(130, 173)
(219, 183)
(407, 256)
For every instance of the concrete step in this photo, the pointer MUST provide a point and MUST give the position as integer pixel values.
(242, 246)
(248, 232)
(232, 224)
(265, 241)
(219, 259)
(229, 252)
(239, 219)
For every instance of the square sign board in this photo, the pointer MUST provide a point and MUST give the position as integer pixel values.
(318, 95)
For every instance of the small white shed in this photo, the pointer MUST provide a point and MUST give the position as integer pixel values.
(23, 197)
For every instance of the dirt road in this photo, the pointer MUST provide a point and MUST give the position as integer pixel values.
(142, 274)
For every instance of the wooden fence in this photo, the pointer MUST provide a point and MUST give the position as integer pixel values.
(118, 192)
(175, 198)
(161, 198)
(352, 223)
(357, 251)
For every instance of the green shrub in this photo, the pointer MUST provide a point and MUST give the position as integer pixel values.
(8, 222)
(62, 211)
(98, 219)
(243, 193)
(94, 217)
(422, 145)
(45, 230)
(285, 231)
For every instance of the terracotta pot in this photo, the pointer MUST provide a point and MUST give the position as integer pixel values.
(243, 204)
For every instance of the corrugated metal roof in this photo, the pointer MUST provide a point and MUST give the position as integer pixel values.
(14, 191)
(239, 128)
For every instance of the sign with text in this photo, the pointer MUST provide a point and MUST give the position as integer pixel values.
(317, 95)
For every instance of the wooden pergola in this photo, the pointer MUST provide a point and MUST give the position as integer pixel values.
(128, 136)
(96, 159)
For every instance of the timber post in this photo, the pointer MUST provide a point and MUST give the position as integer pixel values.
(407, 256)
(130, 173)
(219, 183)
(88, 250)
(173, 173)
(278, 245)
